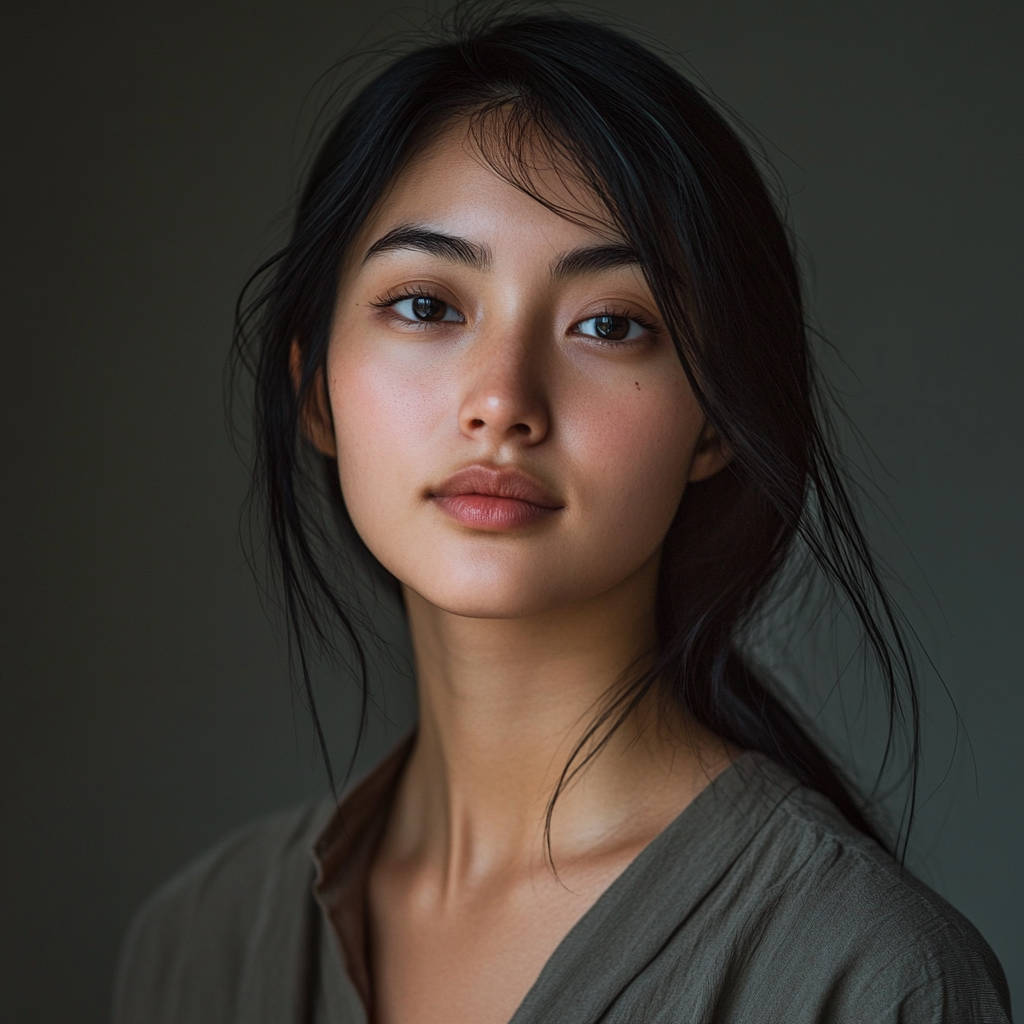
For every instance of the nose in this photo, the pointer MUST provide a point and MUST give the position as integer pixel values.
(504, 400)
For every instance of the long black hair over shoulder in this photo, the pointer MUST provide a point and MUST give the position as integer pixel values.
(684, 191)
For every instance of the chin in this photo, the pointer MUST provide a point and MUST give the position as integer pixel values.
(494, 584)
(490, 606)
(500, 595)
(498, 577)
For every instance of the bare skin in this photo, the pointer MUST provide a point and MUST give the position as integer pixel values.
(520, 627)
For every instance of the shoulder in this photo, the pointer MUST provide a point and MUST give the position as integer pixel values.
(194, 943)
(832, 902)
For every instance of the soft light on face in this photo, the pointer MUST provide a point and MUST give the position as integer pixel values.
(514, 430)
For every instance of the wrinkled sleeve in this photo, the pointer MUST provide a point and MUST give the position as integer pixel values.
(943, 973)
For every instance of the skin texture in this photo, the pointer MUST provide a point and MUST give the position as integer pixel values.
(518, 633)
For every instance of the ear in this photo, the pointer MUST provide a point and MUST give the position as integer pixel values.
(315, 415)
(710, 455)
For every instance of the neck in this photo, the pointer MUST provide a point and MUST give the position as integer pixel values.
(503, 703)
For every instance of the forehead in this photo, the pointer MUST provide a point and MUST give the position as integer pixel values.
(458, 185)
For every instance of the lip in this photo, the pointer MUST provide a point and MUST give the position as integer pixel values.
(493, 499)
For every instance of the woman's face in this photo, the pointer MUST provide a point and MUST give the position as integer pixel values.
(514, 430)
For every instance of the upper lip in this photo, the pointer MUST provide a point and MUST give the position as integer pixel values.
(497, 483)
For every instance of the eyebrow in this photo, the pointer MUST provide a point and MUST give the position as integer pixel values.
(593, 258)
(447, 247)
(587, 260)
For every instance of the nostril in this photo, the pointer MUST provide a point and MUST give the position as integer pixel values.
(476, 424)
(521, 428)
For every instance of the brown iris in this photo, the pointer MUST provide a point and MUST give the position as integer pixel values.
(611, 328)
(425, 307)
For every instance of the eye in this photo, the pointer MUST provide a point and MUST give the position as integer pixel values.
(610, 327)
(426, 308)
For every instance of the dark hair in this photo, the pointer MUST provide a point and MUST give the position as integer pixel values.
(686, 194)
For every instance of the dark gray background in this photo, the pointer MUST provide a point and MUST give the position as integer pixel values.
(150, 150)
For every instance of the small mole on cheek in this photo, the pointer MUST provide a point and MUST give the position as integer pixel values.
(637, 383)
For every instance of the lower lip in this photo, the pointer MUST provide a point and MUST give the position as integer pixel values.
(486, 512)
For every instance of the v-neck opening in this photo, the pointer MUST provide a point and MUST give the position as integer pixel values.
(727, 812)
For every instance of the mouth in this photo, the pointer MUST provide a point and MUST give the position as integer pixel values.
(486, 498)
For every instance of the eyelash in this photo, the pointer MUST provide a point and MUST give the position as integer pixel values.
(390, 299)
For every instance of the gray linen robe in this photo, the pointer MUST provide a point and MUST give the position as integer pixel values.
(758, 904)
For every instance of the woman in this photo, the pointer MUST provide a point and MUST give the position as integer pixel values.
(540, 327)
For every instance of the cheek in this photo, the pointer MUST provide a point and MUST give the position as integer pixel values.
(385, 415)
(634, 456)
